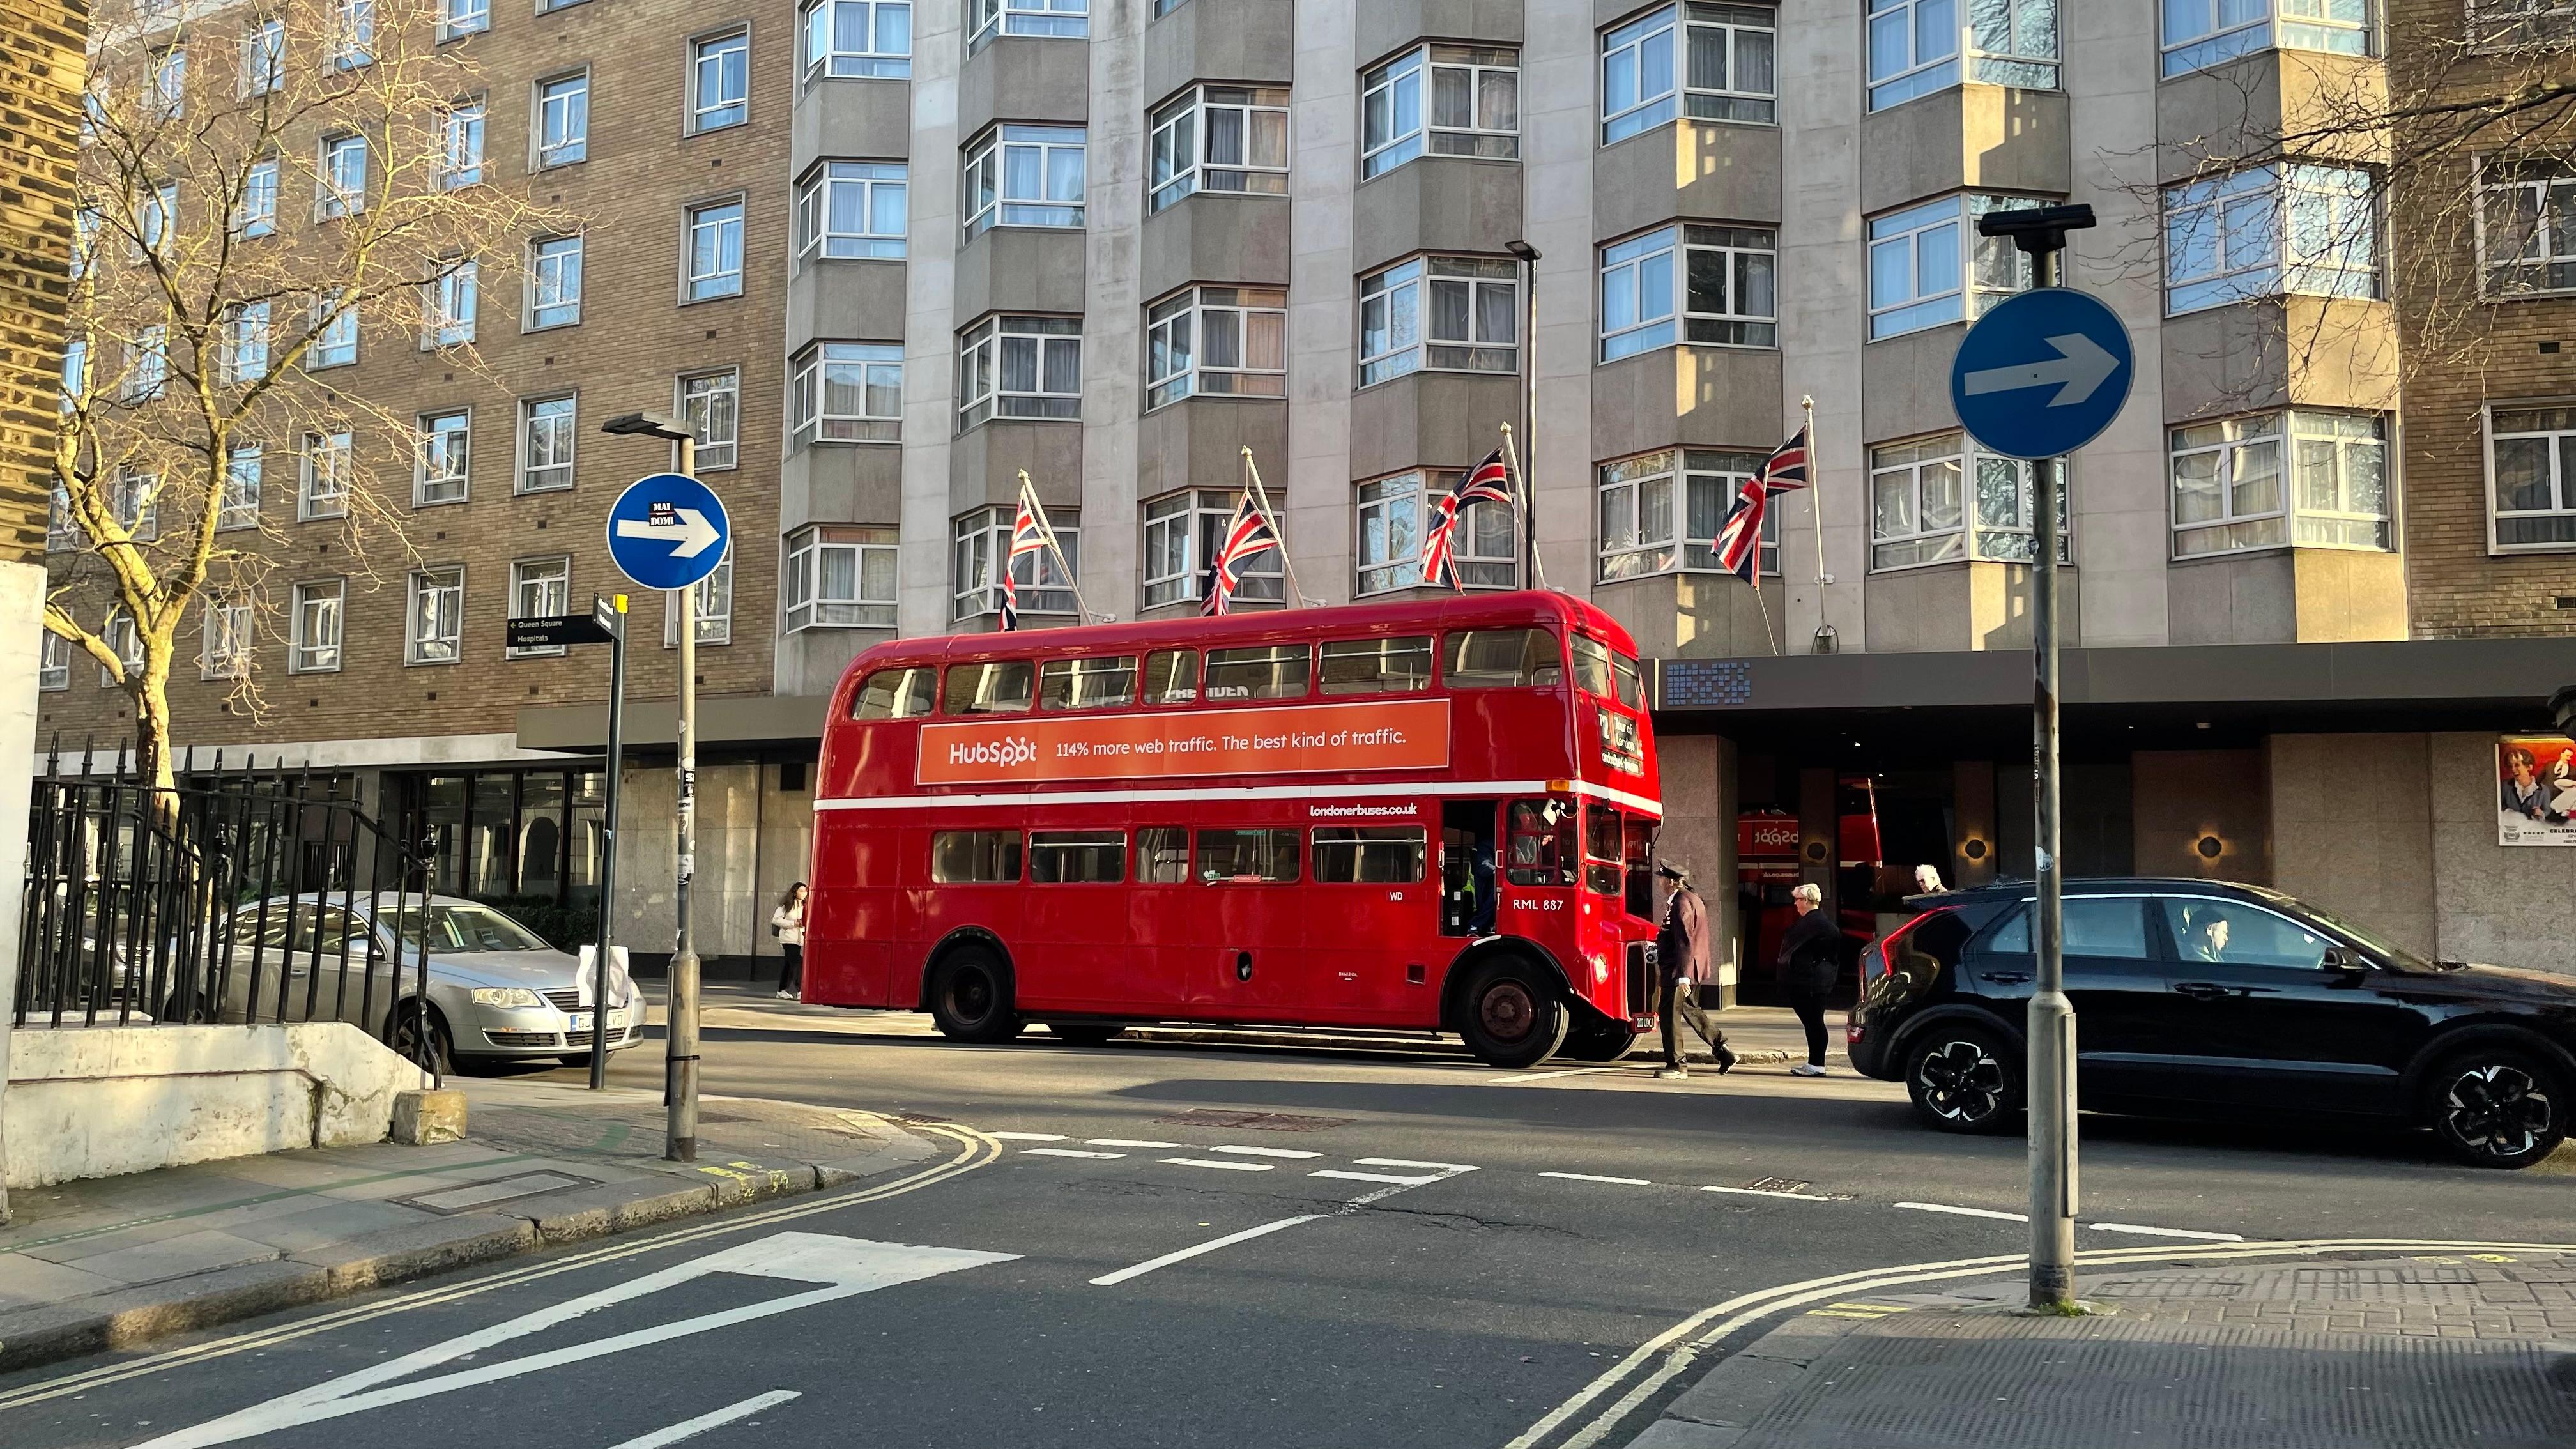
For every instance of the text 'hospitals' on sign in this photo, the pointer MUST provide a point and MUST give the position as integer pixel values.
(1410, 735)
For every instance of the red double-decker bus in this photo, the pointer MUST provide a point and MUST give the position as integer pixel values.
(1434, 815)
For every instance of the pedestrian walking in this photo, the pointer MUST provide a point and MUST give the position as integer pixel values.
(1681, 955)
(787, 923)
(1810, 957)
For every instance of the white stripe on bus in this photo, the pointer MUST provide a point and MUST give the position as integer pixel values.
(1237, 792)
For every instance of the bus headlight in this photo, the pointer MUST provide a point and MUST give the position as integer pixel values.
(1600, 968)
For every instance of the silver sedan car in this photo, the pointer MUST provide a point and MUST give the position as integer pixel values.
(496, 989)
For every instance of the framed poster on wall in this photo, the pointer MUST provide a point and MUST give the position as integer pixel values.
(2535, 790)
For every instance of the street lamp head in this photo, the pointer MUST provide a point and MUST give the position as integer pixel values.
(2037, 229)
(1522, 250)
(647, 425)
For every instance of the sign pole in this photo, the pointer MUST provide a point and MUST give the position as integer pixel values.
(612, 616)
(2052, 1013)
(682, 1128)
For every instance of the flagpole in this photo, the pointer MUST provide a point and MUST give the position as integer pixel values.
(1037, 510)
(1824, 640)
(1261, 500)
(1529, 516)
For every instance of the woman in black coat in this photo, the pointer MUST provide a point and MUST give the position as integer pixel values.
(1810, 957)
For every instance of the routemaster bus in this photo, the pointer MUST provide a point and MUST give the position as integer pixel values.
(1435, 815)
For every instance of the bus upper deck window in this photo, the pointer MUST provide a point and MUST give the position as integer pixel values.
(1500, 659)
(1377, 666)
(899, 693)
(1171, 676)
(1612, 676)
(1087, 683)
(1265, 671)
(1002, 686)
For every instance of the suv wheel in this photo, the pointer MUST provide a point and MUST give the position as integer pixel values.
(2498, 1106)
(1965, 1078)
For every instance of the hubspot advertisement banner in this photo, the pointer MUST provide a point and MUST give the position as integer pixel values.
(1287, 739)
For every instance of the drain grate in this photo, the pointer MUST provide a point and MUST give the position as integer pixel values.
(1256, 1121)
(1781, 1184)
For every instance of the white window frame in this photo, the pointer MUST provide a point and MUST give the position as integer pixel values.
(982, 350)
(1670, 508)
(2286, 522)
(2259, 231)
(1216, 341)
(1400, 307)
(169, 83)
(263, 57)
(1182, 533)
(458, 19)
(1925, 41)
(1186, 155)
(540, 588)
(1660, 82)
(988, 175)
(224, 647)
(443, 472)
(819, 21)
(242, 351)
(1056, 19)
(981, 545)
(123, 640)
(1650, 271)
(560, 131)
(1401, 106)
(461, 129)
(317, 622)
(1388, 516)
(810, 558)
(711, 403)
(851, 371)
(2552, 425)
(238, 504)
(1991, 521)
(551, 437)
(75, 374)
(156, 212)
(434, 615)
(340, 176)
(323, 467)
(554, 283)
(256, 215)
(720, 80)
(2527, 204)
(714, 607)
(353, 34)
(335, 341)
(1646, 54)
(711, 251)
(53, 661)
(2198, 34)
(147, 367)
(135, 503)
(819, 210)
(449, 304)
(1958, 297)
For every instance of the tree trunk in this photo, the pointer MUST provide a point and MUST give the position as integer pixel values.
(152, 758)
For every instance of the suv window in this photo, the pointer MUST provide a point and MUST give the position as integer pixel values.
(2111, 926)
(2235, 934)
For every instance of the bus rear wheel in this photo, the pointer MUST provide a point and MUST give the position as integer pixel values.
(970, 997)
(1511, 1018)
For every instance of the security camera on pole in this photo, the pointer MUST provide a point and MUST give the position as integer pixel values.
(2038, 377)
(668, 531)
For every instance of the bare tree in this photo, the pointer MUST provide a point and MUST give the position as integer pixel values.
(260, 185)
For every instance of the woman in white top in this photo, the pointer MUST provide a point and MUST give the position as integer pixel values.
(787, 923)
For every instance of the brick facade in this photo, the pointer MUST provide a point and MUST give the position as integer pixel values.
(41, 63)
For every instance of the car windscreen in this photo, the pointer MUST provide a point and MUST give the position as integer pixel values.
(462, 928)
(2379, 945)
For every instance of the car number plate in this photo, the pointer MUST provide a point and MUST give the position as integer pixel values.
(581, 1022)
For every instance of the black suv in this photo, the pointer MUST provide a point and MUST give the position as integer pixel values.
(2200, 997)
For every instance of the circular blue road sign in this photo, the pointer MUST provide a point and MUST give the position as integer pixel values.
(667, 531)
(2042, 374)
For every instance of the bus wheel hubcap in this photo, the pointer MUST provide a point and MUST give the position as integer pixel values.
(1508, 1011)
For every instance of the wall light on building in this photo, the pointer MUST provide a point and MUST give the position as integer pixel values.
(2211, 847)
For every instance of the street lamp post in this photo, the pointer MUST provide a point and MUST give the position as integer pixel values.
(1528, 256)
(680, 1069)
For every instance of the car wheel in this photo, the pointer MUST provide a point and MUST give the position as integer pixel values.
(1087, 1033)
(970, 997)
(1599, 1041)
(417, 1033)
(1512, 1018)
(2498, 1106)
(1965, 1078)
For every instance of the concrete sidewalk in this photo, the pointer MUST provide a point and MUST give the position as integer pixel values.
(2301, 1354)
(111, 1262)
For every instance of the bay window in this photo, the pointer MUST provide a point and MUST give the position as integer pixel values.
(2230, 491)
(982, 550)
(1019, 367)
(1447, 314)
(1183, 532)
(1939, 499)
(839, 577)
(1661, 513)
(1393, 514)
(852, 209)
(1064, 19)
(848, 392)
(1724, 68)
(2202, 33)
(1229, 341)
(1473, 107)
(2269, 230)
(1916, 46)
(1928, 265)
(1219, 138)
(1018, 175)
(858, 38)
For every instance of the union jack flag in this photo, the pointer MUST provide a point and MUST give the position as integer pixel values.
(1028, 536)
(1739, 539)
(1488, 482)
(1247, 536)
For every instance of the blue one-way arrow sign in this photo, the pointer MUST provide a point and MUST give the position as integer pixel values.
(2042, 374)
(667, 531)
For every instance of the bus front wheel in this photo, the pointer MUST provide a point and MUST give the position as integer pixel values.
(1512, 1018)
(970, 997)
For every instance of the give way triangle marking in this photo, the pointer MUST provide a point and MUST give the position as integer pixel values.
(841, 1267)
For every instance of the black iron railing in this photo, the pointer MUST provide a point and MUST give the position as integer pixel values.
(240, 895)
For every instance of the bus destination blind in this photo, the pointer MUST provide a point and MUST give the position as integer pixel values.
(1286, 739)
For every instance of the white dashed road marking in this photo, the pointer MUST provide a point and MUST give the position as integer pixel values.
(1379, 1177)
(1794, 1196)
(692, 1428)
(1026, 1136)
(1965, 1212)
(1133, 1142)
(1590, 1177)
(1066, 1152)
(1218, 1163)
(1409, 1162)
(1294, 1152)
(2166, 1232)
(1518, 1077)
(1210, 1246)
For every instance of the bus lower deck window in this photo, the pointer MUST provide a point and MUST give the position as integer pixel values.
(1540, 851)
(959, 857)
(1500, 659)
(1377, 666)
(1001, 686)
(1171, 677)
(1162, 855)
(1247, 855)
(1269, 671)
(1087, 683)
(1370, 854)
(899, 693)
(1072, 857)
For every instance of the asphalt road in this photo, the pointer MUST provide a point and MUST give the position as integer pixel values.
(1393, 1247)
